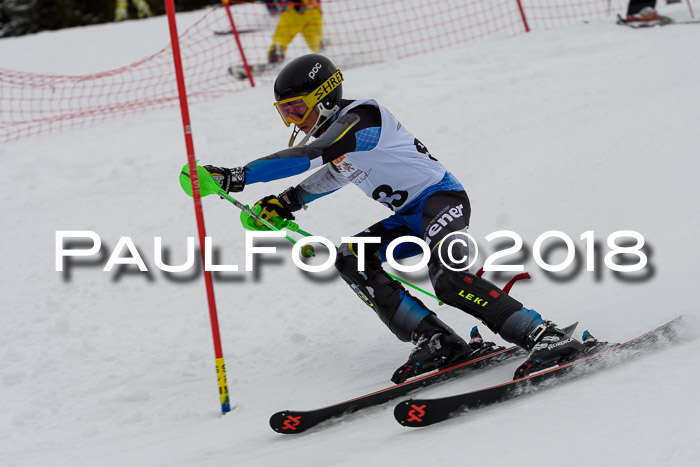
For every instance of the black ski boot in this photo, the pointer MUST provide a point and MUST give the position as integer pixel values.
(437, 346)
(550, 346)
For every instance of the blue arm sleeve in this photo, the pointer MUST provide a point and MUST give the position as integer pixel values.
(265, 170)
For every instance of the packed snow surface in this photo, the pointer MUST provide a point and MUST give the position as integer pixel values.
(588, 128)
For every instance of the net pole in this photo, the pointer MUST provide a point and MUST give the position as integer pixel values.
(238, 42)
(522, 15)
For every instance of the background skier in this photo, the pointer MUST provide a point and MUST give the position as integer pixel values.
(297, 17)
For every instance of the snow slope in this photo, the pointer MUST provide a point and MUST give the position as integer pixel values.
(587, 128)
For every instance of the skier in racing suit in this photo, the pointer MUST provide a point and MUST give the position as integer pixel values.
(361, 143)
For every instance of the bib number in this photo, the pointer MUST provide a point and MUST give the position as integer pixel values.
(388, 197)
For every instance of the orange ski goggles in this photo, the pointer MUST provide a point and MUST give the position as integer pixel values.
(297, 109)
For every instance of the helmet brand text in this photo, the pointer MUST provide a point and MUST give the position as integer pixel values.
(314, 70)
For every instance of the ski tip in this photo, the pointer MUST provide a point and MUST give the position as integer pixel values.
(677, 326)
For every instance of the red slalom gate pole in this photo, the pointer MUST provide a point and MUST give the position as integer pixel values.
(238, 42)
(197, 197)
(690, 7)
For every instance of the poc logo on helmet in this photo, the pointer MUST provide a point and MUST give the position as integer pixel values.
(314, 70)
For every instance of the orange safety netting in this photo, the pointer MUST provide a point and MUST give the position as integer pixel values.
(355, 32)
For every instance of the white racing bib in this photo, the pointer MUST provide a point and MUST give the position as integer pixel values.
(397, 170)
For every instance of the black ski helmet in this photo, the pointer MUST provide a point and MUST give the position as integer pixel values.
(304, 75)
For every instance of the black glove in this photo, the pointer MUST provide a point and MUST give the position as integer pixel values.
(272, 206)
(229, 179)
(281, 205)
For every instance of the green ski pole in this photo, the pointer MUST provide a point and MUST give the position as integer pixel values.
(208, 186)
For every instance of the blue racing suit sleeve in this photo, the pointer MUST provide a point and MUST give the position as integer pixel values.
(266, 170)
(282, 164)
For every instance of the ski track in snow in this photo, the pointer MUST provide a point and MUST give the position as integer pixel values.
(593, 127)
